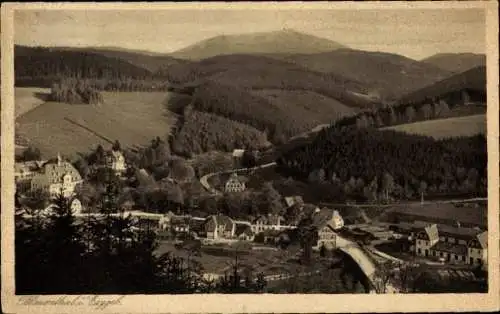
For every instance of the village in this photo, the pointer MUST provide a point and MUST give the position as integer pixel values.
(426, 233)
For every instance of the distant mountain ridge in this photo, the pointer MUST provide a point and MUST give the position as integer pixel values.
(456, 62)
(385, 74)
(148, 60)
(283, 41)
(279, 98)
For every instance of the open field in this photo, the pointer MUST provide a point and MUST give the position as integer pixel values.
(133, 118)
(444, 128)
(28, 98)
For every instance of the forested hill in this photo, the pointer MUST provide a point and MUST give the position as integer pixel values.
(203, 132)
(473, 81)
(273, 96)
(153, 62)
(387, 75)
(47, 64)
(367, 161)
(249, 72)
(257, 72)
(456, 62)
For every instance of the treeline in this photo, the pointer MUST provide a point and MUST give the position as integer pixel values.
(203, 132)
(108, 255)
(402, 113)
(31, 153)
(46, 62)
(250, 72)
(242, 106)
(42, 67)
(374, 164)
(74, 91)
(102, 84)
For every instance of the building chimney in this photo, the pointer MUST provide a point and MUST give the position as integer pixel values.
(59, 160)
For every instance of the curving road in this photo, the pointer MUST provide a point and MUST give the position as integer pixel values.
(359, 255)
(206, 185)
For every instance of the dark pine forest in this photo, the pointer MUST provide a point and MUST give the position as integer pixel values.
(369, 162)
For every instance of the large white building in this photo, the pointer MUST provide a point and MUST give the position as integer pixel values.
(116, 161)
(454, 245)
(55, 178)
(235, 184)
(327, 222)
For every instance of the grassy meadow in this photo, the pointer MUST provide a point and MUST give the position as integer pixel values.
(445, 128)
(133, 118)
(28, 98)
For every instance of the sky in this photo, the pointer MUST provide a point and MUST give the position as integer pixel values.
(416, 33)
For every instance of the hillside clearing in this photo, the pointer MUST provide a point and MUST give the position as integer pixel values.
(133, 118)
(28, 98)
(444, 128)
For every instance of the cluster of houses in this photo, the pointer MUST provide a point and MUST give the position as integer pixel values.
(461, 238)
(52, 177)
(450, 244)
(222, 228)
(215, 227)
(59, 176)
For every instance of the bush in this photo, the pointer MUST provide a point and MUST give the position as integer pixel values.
(74, 91)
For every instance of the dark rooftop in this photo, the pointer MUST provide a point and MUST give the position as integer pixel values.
(241, 228)
(442, 229)
(446, 211)
(464, 232)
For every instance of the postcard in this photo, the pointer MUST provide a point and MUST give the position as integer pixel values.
(232, 157)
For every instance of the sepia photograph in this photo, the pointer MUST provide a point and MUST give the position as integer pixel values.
(237, 150)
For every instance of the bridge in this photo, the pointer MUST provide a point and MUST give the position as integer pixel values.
(366, 263)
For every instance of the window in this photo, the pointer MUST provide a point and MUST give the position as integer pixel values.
(419, 251)
(479, 261)
(440, 254)
(434, 253)
(456, 257)
(463, 258)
